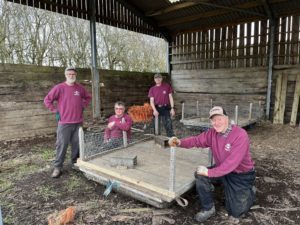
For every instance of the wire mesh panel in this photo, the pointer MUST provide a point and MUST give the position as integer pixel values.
(95, 144)
(243, 113)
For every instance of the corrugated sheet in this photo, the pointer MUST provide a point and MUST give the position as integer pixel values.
(162, 18)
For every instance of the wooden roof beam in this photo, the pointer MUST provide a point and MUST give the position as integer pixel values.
(213, 13)
(192, 3)
(268, 9)
(237, 9)
(148, 20)
(173, 8)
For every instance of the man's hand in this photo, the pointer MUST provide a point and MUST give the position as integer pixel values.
(57, 116)
(174, 141)
(111, 124)
(172, 112)
(155, 113)
(202, 170)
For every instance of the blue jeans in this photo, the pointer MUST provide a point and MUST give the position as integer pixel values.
(238, 188)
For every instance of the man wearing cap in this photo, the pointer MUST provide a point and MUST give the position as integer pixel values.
(233, 166)
(162, 103)
(67, 100)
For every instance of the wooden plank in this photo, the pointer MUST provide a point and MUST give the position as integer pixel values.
(295, 102)
(221, 86)
(248, 45)
(255, 46)
(234, 47)
(243, 73)
(282, 41)
(280, 98)
(217, 48)
(229, 49)
(223, 47)
(211, 49)
(20, 134)
(203, 47)
(263, 47)
(241, 46)
(295, 43)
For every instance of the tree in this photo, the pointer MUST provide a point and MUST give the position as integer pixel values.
(32, 36)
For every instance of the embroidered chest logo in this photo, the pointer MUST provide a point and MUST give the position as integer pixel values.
(164, 92)
(76, 93)
(227, 147)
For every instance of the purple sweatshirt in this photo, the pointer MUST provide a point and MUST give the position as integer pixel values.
(231, 152)
(161, 94)
(70, 102)
(119, 127)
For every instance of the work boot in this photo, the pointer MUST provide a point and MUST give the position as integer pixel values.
(75, 167)
(204, 215)
(56, 173)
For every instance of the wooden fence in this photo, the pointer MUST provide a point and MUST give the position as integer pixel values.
(238, 46)
(23, 88)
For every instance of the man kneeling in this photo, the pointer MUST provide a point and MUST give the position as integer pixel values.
(233, 167)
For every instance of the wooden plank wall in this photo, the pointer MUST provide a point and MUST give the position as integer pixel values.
(23, 88)
(226, 87)
(239, 46)
(230, 63)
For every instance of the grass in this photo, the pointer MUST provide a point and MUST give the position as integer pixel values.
(5, 184)
(8, 218)
(74, 182)
(24, 170)
(46, 192)
(47, 154)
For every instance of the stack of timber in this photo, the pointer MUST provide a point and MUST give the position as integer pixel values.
(283, 81)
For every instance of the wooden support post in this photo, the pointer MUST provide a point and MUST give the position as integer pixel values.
(125, 142)
(280, 98)
(260, 112)
(156, 125)
(197, 106)
(236, 115)
(182, 111)
(295, 102)
(172, 177)
(250, 111)
(81, 145)
(211, 103)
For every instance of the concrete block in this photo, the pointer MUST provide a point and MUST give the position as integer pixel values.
(123, 161)
(162, 141)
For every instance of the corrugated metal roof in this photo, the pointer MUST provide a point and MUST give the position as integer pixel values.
(164, 19)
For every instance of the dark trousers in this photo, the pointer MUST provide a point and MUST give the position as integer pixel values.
(165, 119)
(66, 134)
(238, 188)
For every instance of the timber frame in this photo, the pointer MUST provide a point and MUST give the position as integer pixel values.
(201, 34)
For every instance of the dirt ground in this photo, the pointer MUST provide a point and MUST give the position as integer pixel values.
(28, 195)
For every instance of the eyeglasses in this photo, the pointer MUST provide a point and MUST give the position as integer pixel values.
(119, 108)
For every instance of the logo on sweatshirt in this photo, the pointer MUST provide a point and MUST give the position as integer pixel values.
(164, 92)
(76, 93)
(228, 147)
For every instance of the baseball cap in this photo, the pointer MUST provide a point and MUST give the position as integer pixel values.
(217, 110)
(70, 68)
(157, 75)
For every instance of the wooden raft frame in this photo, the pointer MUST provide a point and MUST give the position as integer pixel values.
(150, 180)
